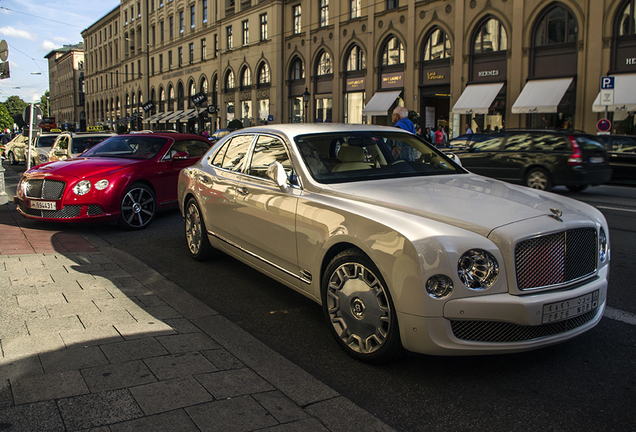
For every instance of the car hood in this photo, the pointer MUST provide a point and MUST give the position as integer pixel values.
(84, 167)
(468, 201)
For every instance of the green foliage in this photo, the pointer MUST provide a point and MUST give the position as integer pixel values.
(44, 104)
(6, 121)
(235, 124)
(15, 106)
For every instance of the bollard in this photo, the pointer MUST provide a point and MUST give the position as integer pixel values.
(4, 198)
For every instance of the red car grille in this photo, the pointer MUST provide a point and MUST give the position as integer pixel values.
(44, 189)
(556, 258)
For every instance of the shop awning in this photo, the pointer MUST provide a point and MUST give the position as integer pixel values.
(380, 103)
(188, 114)
(152, 118)
(541, 96)
(158, 117)
(477, 98)
(172, 116)
(624, 95)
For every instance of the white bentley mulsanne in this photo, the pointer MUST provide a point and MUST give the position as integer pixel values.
(403, 248)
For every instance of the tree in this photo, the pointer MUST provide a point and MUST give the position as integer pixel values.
(44, 104)
(6, 121)
(16, 106)
(415, 118)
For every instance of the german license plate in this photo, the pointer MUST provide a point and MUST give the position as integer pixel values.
(597, 159)
(569, 308)
(43, 205)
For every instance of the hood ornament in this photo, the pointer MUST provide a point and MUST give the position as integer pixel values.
(556, 214)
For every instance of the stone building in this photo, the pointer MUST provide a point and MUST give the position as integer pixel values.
(66, 96)
(507, 63)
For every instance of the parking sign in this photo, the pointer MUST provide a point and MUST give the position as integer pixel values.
(607, 90)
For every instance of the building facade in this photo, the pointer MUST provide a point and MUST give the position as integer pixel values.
(199, 64)
(66, 94)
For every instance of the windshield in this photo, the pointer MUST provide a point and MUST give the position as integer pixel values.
(131, 147)
(356, 156)
(81, 144)
(46, 141)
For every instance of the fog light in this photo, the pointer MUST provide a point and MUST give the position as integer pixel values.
(439, 286)
(82, 187)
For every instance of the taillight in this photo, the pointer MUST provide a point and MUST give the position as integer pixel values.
(576, 158)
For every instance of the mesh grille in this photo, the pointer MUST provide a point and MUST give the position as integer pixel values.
(68, 211)
(555, 258)
(494, 331)
(94, 210)
(44, 189)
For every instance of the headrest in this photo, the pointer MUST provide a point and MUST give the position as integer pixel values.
(351, 154)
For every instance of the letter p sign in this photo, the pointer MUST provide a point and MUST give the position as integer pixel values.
(607, 83)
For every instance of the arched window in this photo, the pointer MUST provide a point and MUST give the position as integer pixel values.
(263, 75)
(229, 80)
(437, 46)
(162, 99)
(170, 98)
(325, 65)
(204, 86)
(152, 99)
(490, 37)
(557, 26)
(215, 90)
(393, 52)
(356, 60)
(246, 77)
(297, 69)
(180, 96)
(140, 98)
(626, 22)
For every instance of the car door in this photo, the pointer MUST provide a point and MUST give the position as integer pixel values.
(481, 156)
(217, 184)
(59, 149)
(514, 157)
(623, 158)
(266, 216)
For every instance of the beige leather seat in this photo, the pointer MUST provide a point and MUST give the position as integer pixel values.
(352, 159)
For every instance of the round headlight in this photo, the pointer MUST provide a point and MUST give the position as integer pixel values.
(602, 245)
(101, 185)
(82, 187)
(43, 158)
(477, 269)
(439, 286)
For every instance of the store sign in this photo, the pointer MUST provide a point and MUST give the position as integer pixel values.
(393, 80)
(435, 76)
(355, 84)
(489, 73)
(198, 98)
(630, 61)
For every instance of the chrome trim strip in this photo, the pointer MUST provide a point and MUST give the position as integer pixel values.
(231, 243)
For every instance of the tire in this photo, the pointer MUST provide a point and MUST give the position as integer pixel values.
(196, 235)
(138, 207)
(358, 308)
(12, 159)
(538, 178)
(577, 188)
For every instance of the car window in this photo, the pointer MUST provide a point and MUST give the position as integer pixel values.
(46, 141)
(81, 144)
(194, 148)
(268, 149)
(140, 146)
(624, 145)
(62, 143)
(587, 143)
(546, 142)
(518, 142)
(220, 154)
(489, 143)
(235, 155)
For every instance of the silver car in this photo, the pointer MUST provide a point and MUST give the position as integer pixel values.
(403, 248)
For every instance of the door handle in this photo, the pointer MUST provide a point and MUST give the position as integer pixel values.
(243, 191)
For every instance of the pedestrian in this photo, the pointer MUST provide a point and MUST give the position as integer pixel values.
(469, 131)
(488, 129)
(427, 135)
(439, 137)
(400, 119)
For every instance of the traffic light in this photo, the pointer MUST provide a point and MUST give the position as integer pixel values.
(4, 70)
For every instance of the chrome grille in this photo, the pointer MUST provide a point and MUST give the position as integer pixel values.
(494, 331)
(556, 258)
(44, 189)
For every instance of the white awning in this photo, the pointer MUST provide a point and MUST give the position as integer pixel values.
(380, 103)
(154, 117)
(477, 98)
(188, 114)
(541, 96)
(624, 95)
(172, 116)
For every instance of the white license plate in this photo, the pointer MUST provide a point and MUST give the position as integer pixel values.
(43, 205)
(569, 308)
(597, 159)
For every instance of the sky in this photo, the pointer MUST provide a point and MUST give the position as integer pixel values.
(32, 29)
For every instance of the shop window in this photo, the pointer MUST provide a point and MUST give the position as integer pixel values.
(229, 81)
(557, 26)
(246, 78)
(626, 22)
(263, 75)
(356, 60)
(490, 37)
(437, 46)
(297, 70)
(325, 65)
(393, 52)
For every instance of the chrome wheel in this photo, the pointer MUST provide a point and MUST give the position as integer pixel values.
(138, 207)
(358, 307)
(538, 179)
(196, 234)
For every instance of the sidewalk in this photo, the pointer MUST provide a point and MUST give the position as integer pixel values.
(92, 338)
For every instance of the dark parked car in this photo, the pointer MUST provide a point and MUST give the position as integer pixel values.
(622, 153)
(464, 141)
(540, 159)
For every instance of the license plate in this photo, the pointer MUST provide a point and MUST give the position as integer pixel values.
(597, 159)
(569, 308)
(43, 205)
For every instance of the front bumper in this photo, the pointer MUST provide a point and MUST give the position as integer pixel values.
(500, 323)
(65, 213)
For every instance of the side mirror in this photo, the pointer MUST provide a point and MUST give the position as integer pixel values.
(180, 156)
(276, 172)
(60, 152)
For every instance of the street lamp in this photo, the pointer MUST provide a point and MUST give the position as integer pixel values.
(306, 96)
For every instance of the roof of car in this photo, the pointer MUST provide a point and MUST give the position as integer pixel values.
(294, 129)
